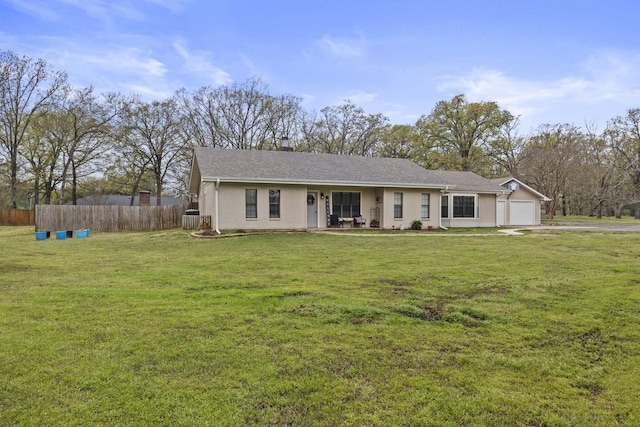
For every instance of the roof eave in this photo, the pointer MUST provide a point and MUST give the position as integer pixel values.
(324, 182)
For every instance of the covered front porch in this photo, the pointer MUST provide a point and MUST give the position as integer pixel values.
(371, 207)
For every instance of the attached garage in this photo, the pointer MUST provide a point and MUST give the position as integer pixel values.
(519, 205)
(523, 213)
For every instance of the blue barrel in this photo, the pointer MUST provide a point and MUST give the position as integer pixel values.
(61, 235)
(41, 235)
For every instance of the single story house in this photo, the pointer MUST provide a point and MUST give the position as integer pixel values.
(521, 205)
(251, 189)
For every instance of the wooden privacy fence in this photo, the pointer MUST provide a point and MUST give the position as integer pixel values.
(194, 222)
(108, 218)
(17, 217)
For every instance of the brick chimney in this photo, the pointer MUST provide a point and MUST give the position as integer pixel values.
(284, 144)
(144, 198)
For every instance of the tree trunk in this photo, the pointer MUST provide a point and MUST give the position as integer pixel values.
(36, 190)
(159, 192)
(74, 184)
(14, 180)
(551, 207)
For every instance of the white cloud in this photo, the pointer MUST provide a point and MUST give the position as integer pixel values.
(38, 9)
(118, 60)
(605, 82)
(172, 5)
(360, 97)
(103, 10)
(344, 47)
(115, 67)
(147, 92)
(199, 63)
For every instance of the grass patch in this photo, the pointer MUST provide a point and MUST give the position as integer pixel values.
(313, 329)
(585, 220)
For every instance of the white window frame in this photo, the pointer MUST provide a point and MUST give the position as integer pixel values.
(427, 205)
(278, 204)
(401, 205)
(448, 215)
(453, 209)
(352, 192)
(246, 203)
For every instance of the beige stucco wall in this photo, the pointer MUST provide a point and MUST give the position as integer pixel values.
(485, 209)
(293, 207)
(232, 215)
(411, 208)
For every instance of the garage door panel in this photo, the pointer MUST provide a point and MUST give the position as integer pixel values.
(522, 213)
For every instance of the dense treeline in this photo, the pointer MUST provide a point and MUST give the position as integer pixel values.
(59, 143)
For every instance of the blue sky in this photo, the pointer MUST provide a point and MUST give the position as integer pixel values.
(549, 61)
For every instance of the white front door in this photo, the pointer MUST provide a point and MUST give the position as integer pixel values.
(500, 213)
(312, 210)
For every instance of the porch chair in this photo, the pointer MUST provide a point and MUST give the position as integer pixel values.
(359, 221)
(333, 221)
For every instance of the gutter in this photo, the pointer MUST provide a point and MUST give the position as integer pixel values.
(287, 181)
(216, 191)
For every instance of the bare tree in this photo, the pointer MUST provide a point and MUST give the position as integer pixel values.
(344, 129)
(549, 159)
(43, 151)
(87, 120)
(27, 86)
(506, 148)
(623, 136)
(239, 116)
(153, 138)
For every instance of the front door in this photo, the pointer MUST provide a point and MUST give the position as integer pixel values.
(312, 210)
(500, 214)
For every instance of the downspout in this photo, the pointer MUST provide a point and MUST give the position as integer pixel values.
(216, 211)
(440, 208)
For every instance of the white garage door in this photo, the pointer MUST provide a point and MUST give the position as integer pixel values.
(523, 213)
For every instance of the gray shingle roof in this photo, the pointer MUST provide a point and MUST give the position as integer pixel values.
(314, 168)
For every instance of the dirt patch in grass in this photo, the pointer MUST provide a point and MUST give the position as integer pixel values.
(433, 311)
(479, 291)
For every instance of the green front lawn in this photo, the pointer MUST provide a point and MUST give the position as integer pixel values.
(320, 330)
(582, 220)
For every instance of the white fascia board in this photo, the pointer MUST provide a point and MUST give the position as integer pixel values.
(454, 190)
(522, 184)
(320, 183)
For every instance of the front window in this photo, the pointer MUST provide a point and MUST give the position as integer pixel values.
(274, 203)
(464, 206)
(251, 202)
(345, 205)
(397, 205)
(424, 207)
(444, 206)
